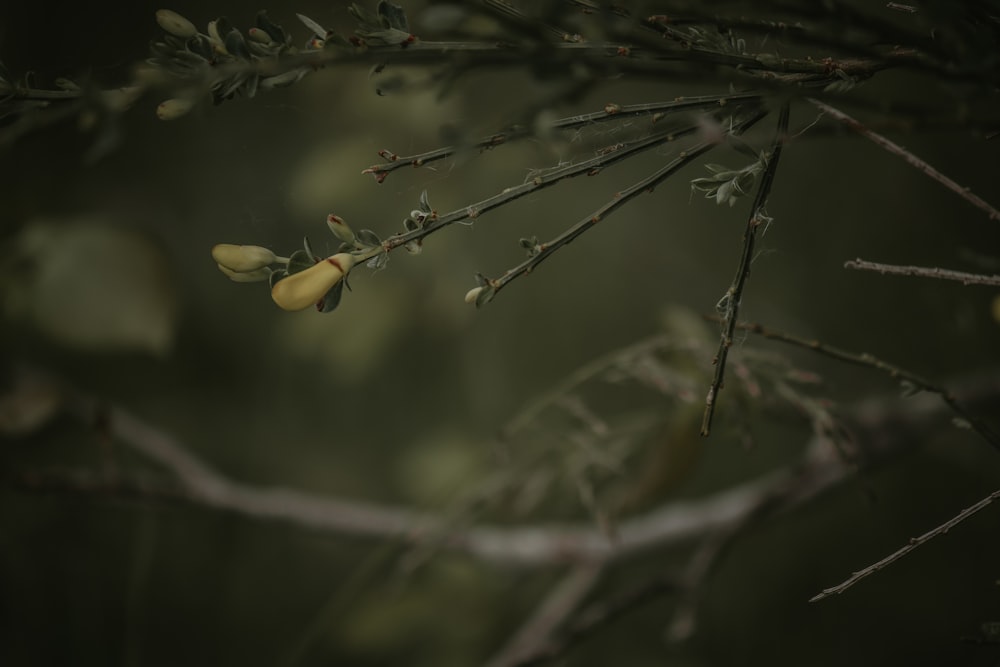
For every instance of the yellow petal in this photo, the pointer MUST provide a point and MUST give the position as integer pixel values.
(306, 288)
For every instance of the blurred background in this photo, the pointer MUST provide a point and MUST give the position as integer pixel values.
(399, 395)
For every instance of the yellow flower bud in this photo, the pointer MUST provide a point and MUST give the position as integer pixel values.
(340, 228)
(242, 258)
(305, 288)
(175, 24)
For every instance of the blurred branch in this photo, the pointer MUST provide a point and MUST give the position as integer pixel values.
(912, 159)
(913, 544)
(924, 272)
(599, 615)
(564, 598)
(734, 294)
(540, 544)
(864, 359)
(882, 429)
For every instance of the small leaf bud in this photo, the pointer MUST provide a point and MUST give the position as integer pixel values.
(259, 36)
(174, 108)
(305, 288)
(473, 294)
(175, 24)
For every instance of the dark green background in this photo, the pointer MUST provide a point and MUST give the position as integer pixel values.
(397, 395)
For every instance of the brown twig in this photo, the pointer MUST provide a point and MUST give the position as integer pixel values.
(612, 112)
(912, 159)
(735, 292)
(894, 372)
(924, 272)
(913, 544)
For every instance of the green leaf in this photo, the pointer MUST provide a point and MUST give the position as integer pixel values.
(316, 28)
(369, 239)
(300, 261)
(392, 16)
(717, 168)
(485, 296)
(273, 30)
(236, 46)
(742, 146)
(331, 299)
(276, 275)
(378, 262)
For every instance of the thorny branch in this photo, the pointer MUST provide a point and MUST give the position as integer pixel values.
(611, 112)
(864, 359)
(591, 166)
(913, 544)
(910, 158)
(545, 250)
(734, 294)
(924, 272)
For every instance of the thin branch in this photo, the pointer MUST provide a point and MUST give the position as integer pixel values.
(545, 250)
(591, 166)
(912, 159)
(561, 602)
(735, 292)
(924, 272)
(913, 544)
(611, 112)
(894, 372)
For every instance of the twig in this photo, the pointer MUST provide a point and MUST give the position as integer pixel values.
(545, 250)
(912, 159)
(473, 211)
(924, 272)
(913, 544)
(536, 633)
(894, 372)
(735, 292)
(610, 113)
